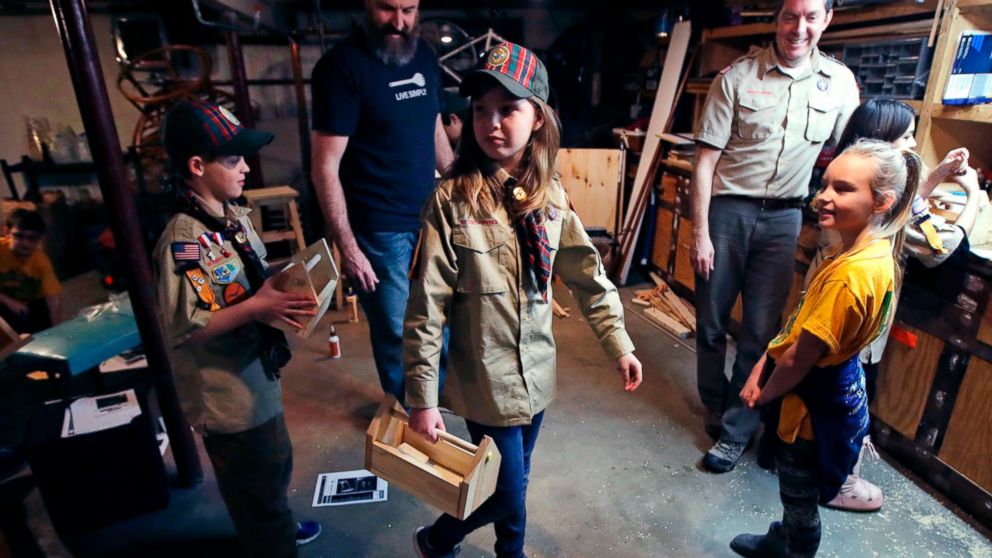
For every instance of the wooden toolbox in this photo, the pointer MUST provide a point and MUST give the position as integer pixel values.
(452, 474)
(311, 272)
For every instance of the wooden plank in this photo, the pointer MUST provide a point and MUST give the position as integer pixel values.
(592, 179)
(684, 275)
(664, 103)
(669, 184)
(661, 251)
(667, 323)
(905, 378)
(681, 310)
(968, 441)
(310, 272)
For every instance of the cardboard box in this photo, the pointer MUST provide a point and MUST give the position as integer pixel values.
(452, 474)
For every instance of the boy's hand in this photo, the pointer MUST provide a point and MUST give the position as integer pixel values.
(272, 304)
(630, 368)
(427, 422)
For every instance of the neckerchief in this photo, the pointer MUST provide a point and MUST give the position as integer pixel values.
(533, 238)
(275, 347)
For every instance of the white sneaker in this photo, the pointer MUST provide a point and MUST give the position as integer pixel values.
(857, 494)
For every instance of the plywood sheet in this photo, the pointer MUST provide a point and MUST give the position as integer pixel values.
(592, 179)
(661, 253)
(968, 441)
(905, 378)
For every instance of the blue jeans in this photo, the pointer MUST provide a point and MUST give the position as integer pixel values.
(506, 509)
(390, 254)
(755, 256)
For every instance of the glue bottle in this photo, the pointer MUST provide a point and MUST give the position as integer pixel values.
(334, 344)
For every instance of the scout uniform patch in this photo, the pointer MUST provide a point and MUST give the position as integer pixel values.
(234, 293)
(203, 290)
(225, 272)
(185, 252)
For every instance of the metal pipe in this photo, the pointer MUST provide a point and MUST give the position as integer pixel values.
(242, 100)
(73, 23)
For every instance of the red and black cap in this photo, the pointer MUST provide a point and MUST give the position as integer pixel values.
(195, 127)
(516, 68)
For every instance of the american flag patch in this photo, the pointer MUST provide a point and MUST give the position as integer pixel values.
(185, 252)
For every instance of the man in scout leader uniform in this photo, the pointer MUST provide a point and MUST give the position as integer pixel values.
(215, 302)
(766, 118)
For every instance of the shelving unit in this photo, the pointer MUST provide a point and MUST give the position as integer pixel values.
(932, 409)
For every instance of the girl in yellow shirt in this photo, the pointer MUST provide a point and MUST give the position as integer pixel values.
(811, 375)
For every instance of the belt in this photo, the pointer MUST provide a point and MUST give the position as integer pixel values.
(769, 204)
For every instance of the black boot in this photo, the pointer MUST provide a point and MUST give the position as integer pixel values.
(769, 545)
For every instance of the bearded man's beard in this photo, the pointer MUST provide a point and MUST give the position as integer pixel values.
(388, 48)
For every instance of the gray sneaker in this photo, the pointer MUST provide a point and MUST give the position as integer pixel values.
(723, 456)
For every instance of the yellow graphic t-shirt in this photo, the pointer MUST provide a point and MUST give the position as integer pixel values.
(29, 280)
(846, 305)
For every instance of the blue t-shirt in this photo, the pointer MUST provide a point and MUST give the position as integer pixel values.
(389, 114)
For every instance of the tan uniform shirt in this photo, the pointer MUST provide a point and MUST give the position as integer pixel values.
(501, 351)
(221, 384)
(770, 126)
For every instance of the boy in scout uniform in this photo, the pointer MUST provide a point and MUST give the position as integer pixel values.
(766, 118)
(211, 284)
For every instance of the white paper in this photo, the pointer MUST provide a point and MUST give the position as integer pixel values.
(125, 361)
(93, 414)
(349, 487)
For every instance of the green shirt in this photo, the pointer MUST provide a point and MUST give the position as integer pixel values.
(501, 351)
(771, 126)
(221, 383)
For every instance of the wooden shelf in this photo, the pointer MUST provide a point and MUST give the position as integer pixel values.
(841, 17)
(971, 113)
(974, 5)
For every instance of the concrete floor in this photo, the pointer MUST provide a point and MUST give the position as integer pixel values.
(614, 474)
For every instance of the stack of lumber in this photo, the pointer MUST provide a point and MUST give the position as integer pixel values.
(665, 308)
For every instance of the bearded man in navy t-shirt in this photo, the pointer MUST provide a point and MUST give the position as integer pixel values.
(377, 140)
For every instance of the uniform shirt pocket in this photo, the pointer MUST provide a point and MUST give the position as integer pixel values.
(482, 252)
(756, 117)
(822, 118)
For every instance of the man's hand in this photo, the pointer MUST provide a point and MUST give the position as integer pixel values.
(701, 255)
(358, 270)
(630, 369)
(271, 304)
(427, 422)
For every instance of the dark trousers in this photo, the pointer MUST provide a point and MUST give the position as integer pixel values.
(253, 470)
(798, 489)
(506, 509)
(755, 253)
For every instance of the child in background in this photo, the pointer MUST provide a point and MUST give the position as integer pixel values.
(929, 240)
(496, 229)
(811, 375)
(216, 301)
(29, 290)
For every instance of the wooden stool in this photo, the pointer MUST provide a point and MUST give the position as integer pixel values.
(282, 199)
(279, 200)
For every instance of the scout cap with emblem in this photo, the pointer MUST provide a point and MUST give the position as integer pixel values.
(516, 68)
(195, 127)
